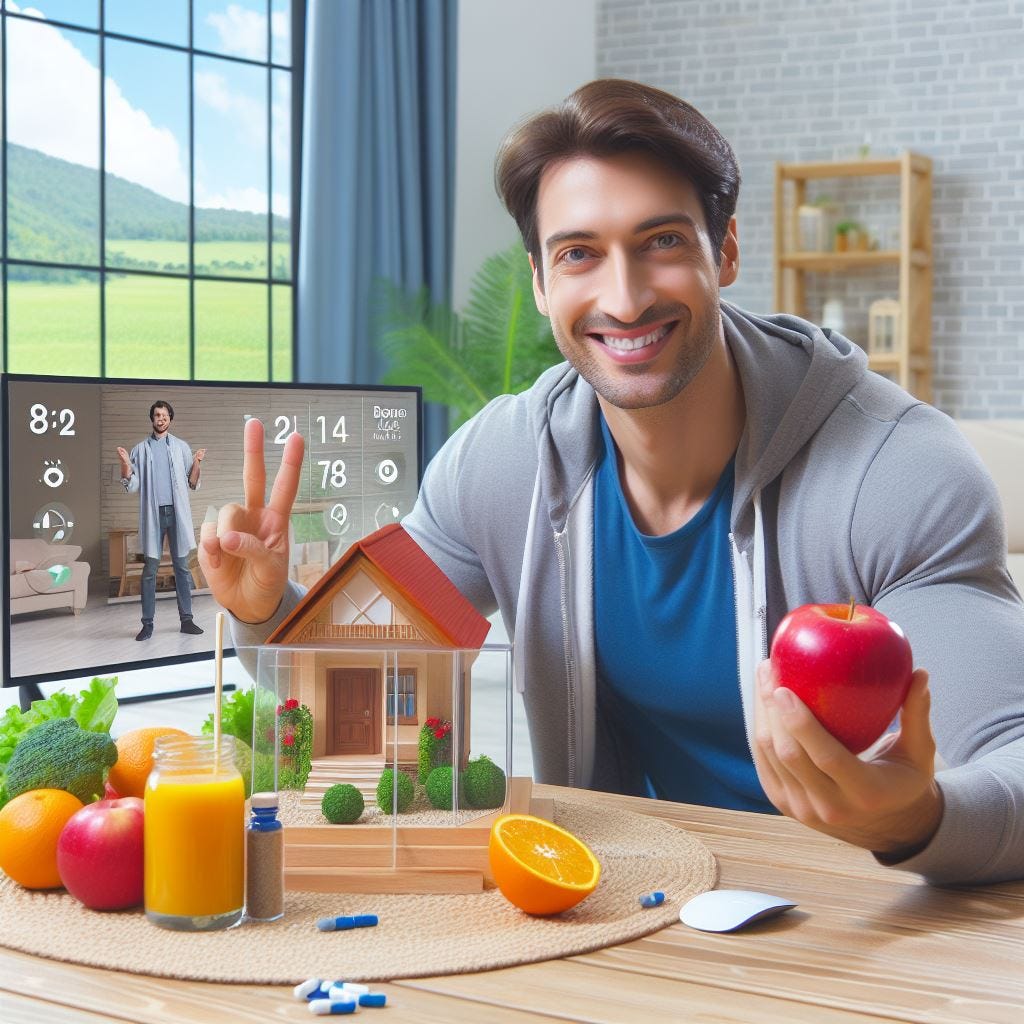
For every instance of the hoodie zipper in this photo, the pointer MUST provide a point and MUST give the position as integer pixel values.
(567, 651)
(738, 565)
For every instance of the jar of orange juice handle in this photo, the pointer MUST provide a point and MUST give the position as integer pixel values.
(194, 835)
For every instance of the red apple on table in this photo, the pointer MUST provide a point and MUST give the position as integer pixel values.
(99, 854)
(849, 664)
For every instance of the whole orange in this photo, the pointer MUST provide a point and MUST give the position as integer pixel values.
(541, 868)
(135, 758)
(30, 826)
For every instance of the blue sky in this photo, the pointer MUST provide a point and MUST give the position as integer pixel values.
(53, 103)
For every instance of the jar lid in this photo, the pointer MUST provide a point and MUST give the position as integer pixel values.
(264, 800)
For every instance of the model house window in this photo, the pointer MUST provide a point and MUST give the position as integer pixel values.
(402, 695)
(360, 603)
(147, 166)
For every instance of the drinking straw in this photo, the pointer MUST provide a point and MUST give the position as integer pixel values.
(218, 687)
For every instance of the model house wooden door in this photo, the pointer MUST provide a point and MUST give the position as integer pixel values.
(353, 708)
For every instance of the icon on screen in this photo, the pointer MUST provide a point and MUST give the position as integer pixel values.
(336, 519)
(387, 513)
(387, 471)
(54, 523)
(53, 473)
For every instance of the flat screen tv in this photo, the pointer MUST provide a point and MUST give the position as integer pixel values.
(72, 578)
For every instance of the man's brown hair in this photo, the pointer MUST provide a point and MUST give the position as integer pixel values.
(611, 116)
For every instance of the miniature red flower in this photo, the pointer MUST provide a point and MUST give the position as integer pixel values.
(439, 734)
(289, 741)
(291, 704)
(280, 708)
(432, 723)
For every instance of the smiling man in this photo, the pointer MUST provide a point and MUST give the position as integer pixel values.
(650, 509)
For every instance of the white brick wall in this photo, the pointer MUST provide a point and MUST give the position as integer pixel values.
(813, 80)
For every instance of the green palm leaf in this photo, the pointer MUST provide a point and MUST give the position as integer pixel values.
(499, 345)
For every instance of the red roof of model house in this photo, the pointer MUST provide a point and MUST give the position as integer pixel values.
(410, 574)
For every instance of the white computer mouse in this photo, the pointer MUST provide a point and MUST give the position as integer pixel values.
(725, 910)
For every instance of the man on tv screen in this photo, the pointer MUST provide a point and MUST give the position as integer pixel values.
(162, 468)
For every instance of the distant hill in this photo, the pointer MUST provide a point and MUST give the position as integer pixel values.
(53, 213)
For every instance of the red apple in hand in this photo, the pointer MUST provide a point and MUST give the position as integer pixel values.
(848, 663)
(99, 854)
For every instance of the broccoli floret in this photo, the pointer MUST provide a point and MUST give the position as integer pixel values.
(385, 793)
(342, 804)
(60, 755)
(484, 783)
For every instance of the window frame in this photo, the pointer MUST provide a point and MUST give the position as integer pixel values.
(101, 270)
(405, 673)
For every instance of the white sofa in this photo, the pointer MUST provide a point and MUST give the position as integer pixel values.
(1000, 443)
(33, 588)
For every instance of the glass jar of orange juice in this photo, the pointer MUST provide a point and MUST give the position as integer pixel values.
(194, 835)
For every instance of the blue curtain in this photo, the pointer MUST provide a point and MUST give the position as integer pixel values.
(378, 176)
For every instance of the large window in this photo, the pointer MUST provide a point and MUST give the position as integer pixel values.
(147, 187)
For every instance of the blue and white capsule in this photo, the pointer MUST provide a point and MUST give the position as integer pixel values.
(340, 991)
(307, 988)
(323, 992)
(331, 1007)
(344, 923)
(373, 999)
(652, 899)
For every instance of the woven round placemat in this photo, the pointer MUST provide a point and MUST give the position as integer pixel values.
(417, 935)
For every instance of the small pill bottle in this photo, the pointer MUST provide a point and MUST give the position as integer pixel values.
(194, 823)
(264, 860)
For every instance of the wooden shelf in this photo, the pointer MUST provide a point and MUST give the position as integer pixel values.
(826, 262)
(910, 365)
(855, 168)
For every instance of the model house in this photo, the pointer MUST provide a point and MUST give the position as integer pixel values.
(383, 639)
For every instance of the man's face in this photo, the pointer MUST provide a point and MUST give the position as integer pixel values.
(161, 421)
(630, 281)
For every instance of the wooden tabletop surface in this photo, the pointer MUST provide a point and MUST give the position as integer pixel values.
(866, 944)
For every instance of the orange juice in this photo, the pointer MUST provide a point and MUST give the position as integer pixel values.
(194, 835)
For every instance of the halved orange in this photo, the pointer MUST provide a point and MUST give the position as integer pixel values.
(540, 867)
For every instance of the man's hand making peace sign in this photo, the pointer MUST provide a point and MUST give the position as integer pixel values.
(244, 554)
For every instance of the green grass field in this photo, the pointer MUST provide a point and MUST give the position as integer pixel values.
(55, 329)
(237, 259)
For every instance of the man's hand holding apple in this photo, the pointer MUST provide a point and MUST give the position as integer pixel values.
(887, 802)
(244, 554)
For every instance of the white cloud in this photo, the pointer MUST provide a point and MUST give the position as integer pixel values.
(243, 33)
(246, 112)
(252, 200)
(53, 106)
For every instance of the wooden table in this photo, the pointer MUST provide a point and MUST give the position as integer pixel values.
(866, 944)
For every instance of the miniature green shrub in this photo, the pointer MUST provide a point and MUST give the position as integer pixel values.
(342, 804)
(484, 783)
(439, 787)
(435, 746)
(385, 793)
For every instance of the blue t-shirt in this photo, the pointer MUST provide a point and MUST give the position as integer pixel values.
(665, 623)
(161, 452)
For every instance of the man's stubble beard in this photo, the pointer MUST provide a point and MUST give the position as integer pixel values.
(698, 343)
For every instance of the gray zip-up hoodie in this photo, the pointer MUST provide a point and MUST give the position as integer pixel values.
(845, 485)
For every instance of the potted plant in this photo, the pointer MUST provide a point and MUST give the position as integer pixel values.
(846, 235)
